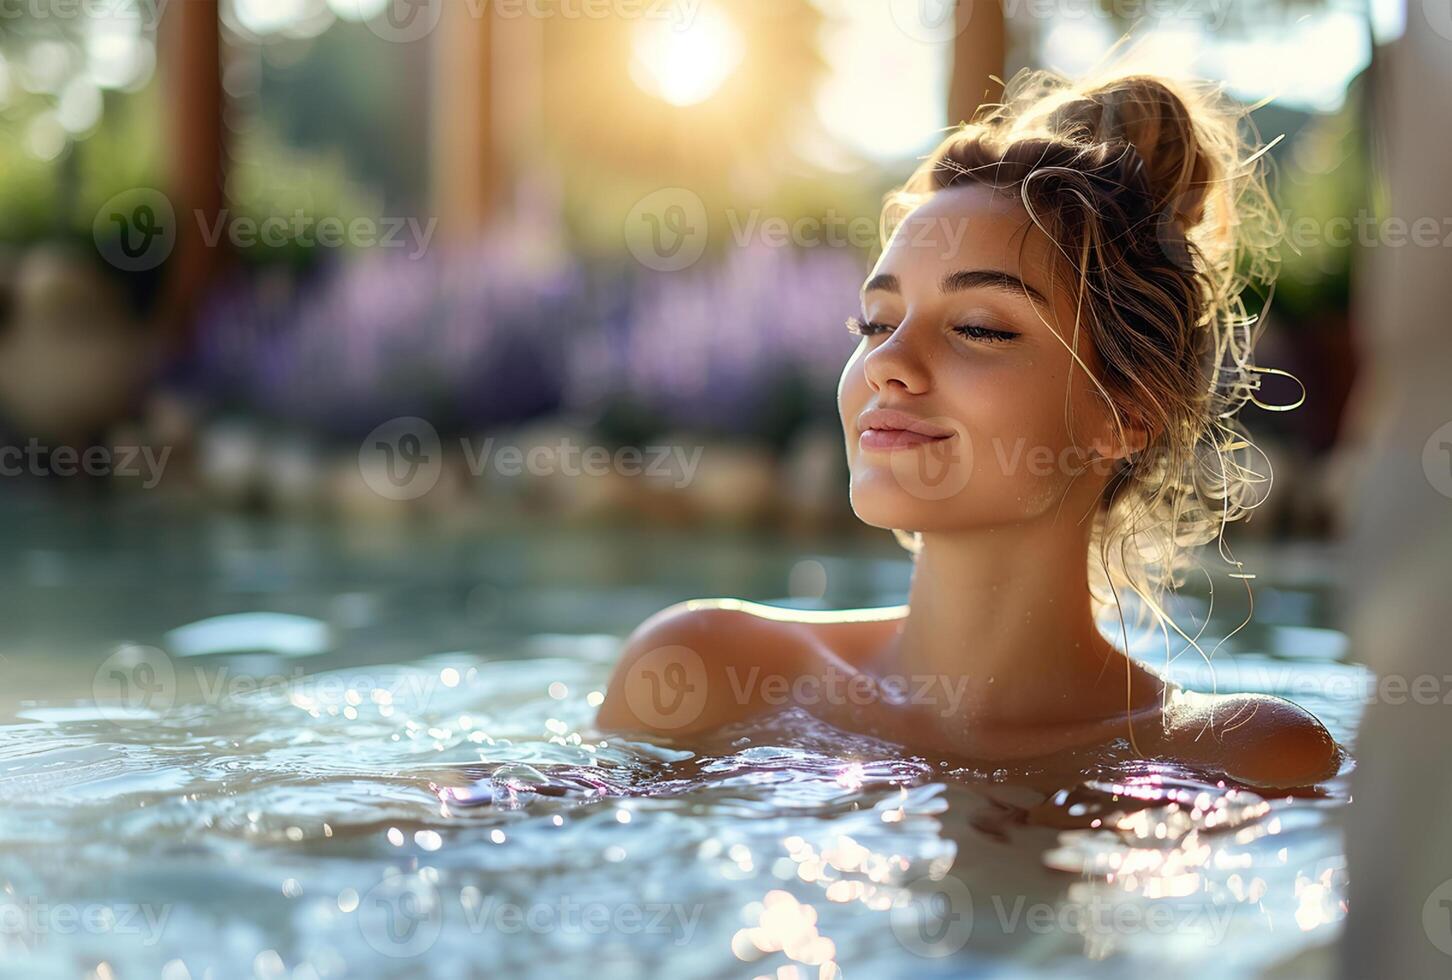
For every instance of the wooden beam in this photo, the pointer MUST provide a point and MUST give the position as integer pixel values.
(978, 52)
(190, 66)
(466, 172)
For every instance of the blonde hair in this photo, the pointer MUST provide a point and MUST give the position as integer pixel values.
(1154, 195)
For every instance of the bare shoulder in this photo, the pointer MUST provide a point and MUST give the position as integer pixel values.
(686, 668)
(1256, 738)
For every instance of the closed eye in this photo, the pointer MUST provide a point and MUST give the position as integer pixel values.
(972, 331)
(990, 335)
(866, 328)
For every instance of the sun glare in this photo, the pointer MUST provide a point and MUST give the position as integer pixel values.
(685, 64)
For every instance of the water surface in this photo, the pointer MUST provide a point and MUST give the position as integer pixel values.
(236, 747)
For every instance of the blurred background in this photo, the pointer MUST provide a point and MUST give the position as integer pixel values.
(249, 232)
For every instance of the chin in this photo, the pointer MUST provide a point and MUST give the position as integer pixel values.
(879, 500)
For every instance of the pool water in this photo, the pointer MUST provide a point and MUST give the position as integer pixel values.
(237, 747)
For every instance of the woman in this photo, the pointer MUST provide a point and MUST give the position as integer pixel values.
(1041, 406)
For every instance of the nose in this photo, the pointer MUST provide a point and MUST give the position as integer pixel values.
(897, 362)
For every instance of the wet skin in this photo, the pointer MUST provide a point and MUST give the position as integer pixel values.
(969, 361)
(748, 658)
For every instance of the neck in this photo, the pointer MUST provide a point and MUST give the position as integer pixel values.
(1006, 611)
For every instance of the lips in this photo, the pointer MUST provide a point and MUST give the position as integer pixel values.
(886, 428)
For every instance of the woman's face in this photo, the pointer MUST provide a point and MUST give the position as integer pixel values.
(961, 406)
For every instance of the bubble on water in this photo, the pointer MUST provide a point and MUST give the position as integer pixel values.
(515, 784)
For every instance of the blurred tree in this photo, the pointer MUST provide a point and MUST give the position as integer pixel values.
(77, 112)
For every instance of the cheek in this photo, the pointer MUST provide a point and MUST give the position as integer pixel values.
(1027, 403)
(1023, 453)
(852, 395)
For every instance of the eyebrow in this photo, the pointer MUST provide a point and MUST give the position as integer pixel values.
(963, 279)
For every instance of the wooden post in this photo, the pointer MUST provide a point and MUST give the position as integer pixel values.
(190, 64)
(467, 186)
(978, 52)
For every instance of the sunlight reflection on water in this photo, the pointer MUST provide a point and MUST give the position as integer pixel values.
(403, 817)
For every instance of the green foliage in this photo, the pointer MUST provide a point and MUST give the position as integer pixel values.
(270, 179)
(1325, 179)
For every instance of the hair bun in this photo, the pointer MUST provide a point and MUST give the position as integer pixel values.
(1148, 114)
